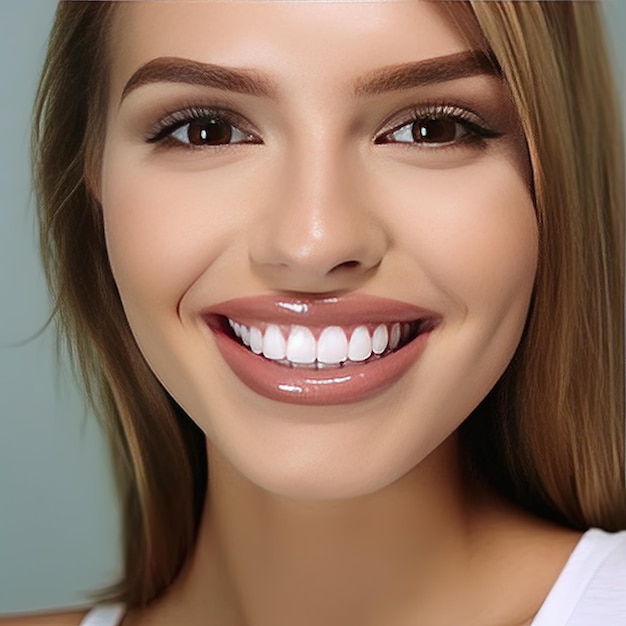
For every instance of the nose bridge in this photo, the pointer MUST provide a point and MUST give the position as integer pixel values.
(316, 207)
(317, 222)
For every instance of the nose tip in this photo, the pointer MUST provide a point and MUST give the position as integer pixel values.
(321, 239)
(317, 227)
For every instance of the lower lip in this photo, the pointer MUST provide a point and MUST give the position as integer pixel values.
(341, 385)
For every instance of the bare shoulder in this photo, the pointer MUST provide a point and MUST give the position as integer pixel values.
(71, 618)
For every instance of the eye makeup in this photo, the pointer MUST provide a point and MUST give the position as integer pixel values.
(436, 126)
(206, 126)
(427, 126)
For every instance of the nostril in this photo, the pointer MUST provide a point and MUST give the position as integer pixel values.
(346, 265)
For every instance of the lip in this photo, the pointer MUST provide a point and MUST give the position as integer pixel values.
(341, 385)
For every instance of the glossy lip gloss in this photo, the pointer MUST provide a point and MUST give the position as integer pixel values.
(344, 384)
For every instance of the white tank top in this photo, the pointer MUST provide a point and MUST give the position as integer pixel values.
(104, 615)
(590, 591)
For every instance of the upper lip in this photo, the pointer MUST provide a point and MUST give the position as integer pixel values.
(323, 311)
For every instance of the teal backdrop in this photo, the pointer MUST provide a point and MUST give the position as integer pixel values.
(59, 529)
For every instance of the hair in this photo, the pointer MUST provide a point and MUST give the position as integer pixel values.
(550, 435)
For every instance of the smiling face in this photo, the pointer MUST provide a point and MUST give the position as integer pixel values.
(319, 222)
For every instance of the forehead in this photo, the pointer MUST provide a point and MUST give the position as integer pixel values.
(296, 42)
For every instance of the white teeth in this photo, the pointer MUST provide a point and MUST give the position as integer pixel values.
(301, 346)
(242, 332)
(256, 340)
(394, 339)
(245, 335)
(380, 339)
(332, 347)
(274, 345)
(360, 346)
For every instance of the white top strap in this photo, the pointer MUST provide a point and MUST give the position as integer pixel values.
(591, 589)
(104, 615)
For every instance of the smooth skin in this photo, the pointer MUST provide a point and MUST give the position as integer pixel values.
(351, 515)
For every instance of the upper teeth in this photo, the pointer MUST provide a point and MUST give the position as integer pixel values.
(332, 347)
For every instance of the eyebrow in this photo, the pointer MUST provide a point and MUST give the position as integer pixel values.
(186, 71)
(251, 82)
(435, 70)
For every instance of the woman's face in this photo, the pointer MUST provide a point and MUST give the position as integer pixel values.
(344, 184)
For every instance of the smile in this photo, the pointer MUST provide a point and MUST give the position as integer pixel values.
(328, 347)
(320, 351)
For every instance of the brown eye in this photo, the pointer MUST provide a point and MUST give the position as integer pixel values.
(439, 126)
(442, 130)
(208, 132)
(429, 131)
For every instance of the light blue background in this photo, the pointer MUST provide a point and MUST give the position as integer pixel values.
(58, 518)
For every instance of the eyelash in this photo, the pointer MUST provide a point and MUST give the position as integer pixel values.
(474, 131)
(469, 129)
(162, 132)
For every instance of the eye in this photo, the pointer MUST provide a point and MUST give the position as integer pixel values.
(429, 131)
(438, 127)
(209, 132)
(198, 128)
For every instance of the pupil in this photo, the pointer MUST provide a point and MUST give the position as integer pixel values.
(435, 131)
(209, 132)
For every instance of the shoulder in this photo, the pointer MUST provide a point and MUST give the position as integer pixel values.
(71, 618)
(592, 589)
(608, 550)
(107, 614)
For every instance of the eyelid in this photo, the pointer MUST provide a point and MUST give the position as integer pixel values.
(426, 109)
(169, 122)
(437, 110)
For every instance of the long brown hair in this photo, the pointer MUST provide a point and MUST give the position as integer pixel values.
(552, 428)
(559, 409)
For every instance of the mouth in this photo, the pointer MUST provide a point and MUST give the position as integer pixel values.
(330, 351)
(328, 347)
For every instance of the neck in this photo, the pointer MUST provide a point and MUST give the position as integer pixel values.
(396, 556)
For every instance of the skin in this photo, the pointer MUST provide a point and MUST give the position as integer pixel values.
(335, 515)
(183, 232)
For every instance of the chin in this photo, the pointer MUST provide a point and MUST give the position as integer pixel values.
(319, 462)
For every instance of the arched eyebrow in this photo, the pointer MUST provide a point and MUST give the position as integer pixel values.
(254, 83)
(420, 73)
(187, 71)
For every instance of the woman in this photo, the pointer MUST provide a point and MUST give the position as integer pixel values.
(345, 280)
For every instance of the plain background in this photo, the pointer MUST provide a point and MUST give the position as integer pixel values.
(59, 527)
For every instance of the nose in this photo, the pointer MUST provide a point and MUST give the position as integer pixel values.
(319, 231)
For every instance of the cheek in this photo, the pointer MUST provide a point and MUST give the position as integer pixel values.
(473, 232)
(164, 228)
(470, 238)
